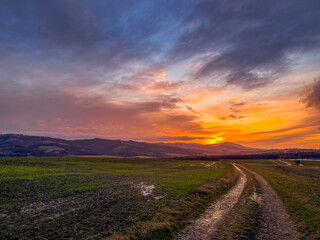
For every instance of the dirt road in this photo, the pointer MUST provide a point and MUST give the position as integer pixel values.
(277, 223)
(285, 163)
(205, 226)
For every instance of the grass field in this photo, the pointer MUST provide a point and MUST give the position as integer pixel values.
(54, 198)
(310, 163)
(299, 189)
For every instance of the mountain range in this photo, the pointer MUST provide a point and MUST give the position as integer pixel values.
(24, 145)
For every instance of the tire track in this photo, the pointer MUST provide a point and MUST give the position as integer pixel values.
(206, 225)
(277, 222)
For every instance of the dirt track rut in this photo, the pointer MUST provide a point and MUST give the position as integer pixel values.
(277, 222)
(205, 226)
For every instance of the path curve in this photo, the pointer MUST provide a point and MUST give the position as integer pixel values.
(205, 226)
(277, 222)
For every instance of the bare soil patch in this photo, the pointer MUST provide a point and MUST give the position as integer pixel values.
(149, 191)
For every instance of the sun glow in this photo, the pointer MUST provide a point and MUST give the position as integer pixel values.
(214, 139)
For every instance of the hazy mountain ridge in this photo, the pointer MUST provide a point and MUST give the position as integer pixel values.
(217, 149)
(23, 145)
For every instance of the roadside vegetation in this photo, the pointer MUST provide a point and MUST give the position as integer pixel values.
(299, 189)
(70, 197)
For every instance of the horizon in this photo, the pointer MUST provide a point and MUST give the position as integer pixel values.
(202, 72)
(203, 144)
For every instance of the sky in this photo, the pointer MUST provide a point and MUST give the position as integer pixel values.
(162, 71)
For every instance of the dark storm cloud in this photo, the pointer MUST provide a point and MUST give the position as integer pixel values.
(253, 39)
(40, 24)
(312, 98)
(76, 35)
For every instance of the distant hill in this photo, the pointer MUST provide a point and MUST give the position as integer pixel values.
(216, 149)
(23, 145)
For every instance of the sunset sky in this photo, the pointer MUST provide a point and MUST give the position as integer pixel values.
(244, 71)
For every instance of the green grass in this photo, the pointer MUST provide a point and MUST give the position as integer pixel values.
(256, 161)
(72, 197)
(8, 172)
(299, 189)
(311, 163)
